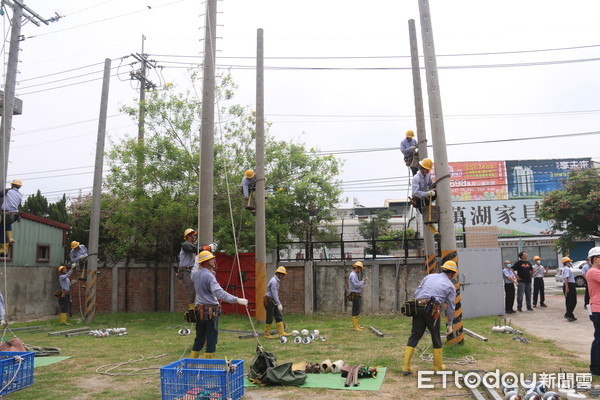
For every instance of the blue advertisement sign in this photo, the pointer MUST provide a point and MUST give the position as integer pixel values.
(535, 178)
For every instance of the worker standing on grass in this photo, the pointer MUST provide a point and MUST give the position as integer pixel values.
(409, 149)
(187, 258)
(524, 272)
(538, 281)
(64, 297)
(273, 304)
(433, 292)
(208, 294)
(593, 284)
(355, 287)
(510, 280)
(569, 289)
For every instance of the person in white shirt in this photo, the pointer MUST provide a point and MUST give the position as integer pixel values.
(538, 281)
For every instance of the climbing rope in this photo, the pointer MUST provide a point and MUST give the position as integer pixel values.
(108, 368)
(428, 357)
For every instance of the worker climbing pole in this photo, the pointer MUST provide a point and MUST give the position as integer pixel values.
(448, 241)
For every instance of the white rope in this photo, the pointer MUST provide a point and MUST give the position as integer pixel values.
(107, 368)
(18, 359)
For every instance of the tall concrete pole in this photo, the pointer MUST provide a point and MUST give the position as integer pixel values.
(92, 267)
(430, 262)
(9, 87)
(207, 127)
(261, 236)
(444, 199)
(141, 116)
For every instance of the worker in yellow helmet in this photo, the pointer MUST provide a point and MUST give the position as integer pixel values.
(355, 288)
(248, 188)
(409, 149)
(423, 189)
(64, 297)
(187, 258)
(208, 294)
(10, 213)
(273, 305)
(78, 257)
(433, 292)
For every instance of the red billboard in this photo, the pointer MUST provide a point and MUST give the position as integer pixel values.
(478, 180)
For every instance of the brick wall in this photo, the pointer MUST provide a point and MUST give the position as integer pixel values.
(291, 290)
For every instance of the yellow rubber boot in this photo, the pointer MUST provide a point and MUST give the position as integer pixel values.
(437, 360)
(408, 353)
(4, 248)
(268, 332)
(209, 355)
(356, 324)
(195, 354)
(63, 319)
(9, 236)
(281, 330)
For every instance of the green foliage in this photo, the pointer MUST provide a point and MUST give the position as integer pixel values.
(37, 204)
(155, 201)
(575, 210)
(387, 239)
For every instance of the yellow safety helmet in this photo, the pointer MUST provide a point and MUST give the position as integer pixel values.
(188, 231)
(450, 265)
(74, 244)
(249, 174)
(426, 163)
(565, 260)
(17, 182)
(281, 270)
(204, 256)
(537, 258)
(410, 134)
(61, 268)
(359, 264)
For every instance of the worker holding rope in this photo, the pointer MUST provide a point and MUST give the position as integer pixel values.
(64, 295)
(273, 304)
(207, 310)
(408, 147)
(433, 292)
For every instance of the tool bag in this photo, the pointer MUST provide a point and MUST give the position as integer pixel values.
(409, 308)
(264, 370)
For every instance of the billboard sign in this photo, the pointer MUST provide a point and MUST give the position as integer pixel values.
(478, 180)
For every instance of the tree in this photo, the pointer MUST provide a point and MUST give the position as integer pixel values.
(387, 239)
(38, 205)
(150, 219)
(574, 211)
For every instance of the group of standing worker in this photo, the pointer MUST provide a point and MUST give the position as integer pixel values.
(522, 274)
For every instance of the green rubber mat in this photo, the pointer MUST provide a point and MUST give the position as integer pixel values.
(335, 381)
(43, 361)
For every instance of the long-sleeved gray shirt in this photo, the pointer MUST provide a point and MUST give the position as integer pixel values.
(12, 200)
(248, 185)
(273, 289)
(440, 287)
(406, 146)
(208, 290)
(187, 254)
(77, 252)
(355, 285)
(65, 281)
(421, 184)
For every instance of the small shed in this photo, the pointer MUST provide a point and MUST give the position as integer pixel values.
(29, 269)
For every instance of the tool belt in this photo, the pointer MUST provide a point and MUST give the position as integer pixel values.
(352, 295)
(59, 293)
(267, 301)
(409, 308)
(202, 312)
(432, 307)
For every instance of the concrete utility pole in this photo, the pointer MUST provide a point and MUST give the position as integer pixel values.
(145, 84)
(430, 261)
(92, 267)
(444, 199)
(261, 236)
(20, 11)
(207, 127)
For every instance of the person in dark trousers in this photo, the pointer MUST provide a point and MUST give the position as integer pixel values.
(510, 280)
(64, 298)
(408, 147)
(208, 294)
(433, 292)
(355, 287)
(538, 281)
(524, 272)
(569, 289)
(273, 305)
(593, 283)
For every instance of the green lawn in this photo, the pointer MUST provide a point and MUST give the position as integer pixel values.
(152, 334)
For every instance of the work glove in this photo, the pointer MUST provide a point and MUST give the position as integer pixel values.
(449, 328)
(213, 247)
(280, 307)
(413, 148)
(431, 192)
(3, 324)
(242, 302)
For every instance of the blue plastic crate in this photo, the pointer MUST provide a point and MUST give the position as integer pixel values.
(16, 374)
(197, 378)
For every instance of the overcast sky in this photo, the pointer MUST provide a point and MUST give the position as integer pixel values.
(508, 70)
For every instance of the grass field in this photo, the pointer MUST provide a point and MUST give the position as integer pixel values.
(153, 334)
